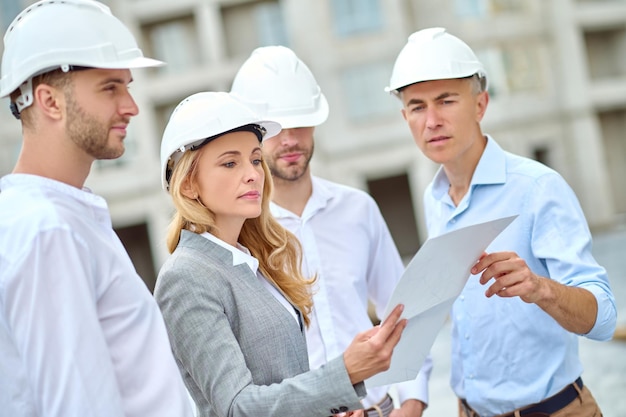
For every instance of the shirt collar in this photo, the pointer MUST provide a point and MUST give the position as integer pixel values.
(241, 254)
(29, 180)
(320, 197)
(491, 169)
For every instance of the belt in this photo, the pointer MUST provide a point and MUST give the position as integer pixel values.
(544, 408)
(382, 409)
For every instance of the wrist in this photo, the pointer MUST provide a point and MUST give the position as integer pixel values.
(413, 408)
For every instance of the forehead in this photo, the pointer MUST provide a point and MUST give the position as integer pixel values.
(427, 90)
(99, 76)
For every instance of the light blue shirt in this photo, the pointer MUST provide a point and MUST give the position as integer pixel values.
(506, 353)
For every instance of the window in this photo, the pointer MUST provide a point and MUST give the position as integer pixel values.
(512, 69)
(356, 16)
(613, 125)
(269, 24)
(542, 154)
(174, 41)
(470, 8)
(251, 25)
(605, 53)
(507, 6)
(364, 93)
(486, 8)
(136, 241)
(393, 195)
(163, 113)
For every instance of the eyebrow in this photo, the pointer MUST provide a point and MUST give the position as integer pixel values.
(439, 97)
(116, 80)
(255, 150)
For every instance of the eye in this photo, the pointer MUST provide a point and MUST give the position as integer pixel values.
(257, 161)
(230, 164)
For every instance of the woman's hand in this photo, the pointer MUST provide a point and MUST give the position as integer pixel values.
(370, 351)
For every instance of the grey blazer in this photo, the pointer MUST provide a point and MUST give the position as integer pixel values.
(241, 353)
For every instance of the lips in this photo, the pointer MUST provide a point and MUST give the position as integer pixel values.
(291, 157)
(251, 195)
(120, 127)
(438, 139)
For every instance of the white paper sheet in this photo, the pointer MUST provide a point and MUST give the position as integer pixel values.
(431, 282)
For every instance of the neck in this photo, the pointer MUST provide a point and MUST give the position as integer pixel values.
(228, 230)
(293, 195)
(45, 157)
(461, 170)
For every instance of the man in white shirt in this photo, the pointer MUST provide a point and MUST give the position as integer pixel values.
(344, 237)
(80, 334)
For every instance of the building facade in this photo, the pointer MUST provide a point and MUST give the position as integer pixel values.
(557, 74)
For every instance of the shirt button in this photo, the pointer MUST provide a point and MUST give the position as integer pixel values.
(462, 297)
(467, 336)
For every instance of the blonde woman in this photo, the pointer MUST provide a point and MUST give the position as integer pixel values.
(234, 301)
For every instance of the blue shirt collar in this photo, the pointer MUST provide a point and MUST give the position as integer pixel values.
(491, 169)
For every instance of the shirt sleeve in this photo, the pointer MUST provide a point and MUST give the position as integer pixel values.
(50, 305)
(385, 266)
(561, 240)
(384, 272)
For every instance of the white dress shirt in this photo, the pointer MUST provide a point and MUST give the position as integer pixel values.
(347, 243)
(80, 334)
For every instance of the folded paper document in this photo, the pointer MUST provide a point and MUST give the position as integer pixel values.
(428, 287)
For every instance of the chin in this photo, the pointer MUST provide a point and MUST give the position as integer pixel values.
(252, 214)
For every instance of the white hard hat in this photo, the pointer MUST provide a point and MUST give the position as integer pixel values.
(60, 34)
(275, 80)
(433, 54)
(203, 117)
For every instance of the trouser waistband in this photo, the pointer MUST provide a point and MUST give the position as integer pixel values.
(382, 409)
(544, 408)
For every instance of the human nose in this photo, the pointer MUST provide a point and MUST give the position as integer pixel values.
(128, 106)
(288, 137)
(433, 119)
(253, 173)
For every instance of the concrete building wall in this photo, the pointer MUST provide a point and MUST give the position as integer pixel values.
(557, 73)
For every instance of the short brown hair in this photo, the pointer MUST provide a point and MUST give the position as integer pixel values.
(55, 78)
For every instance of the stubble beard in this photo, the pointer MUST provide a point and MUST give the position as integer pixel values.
(88, 133)
(291, 172)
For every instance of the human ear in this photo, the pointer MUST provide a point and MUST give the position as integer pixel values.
(482, 100)
(188, 189)
(50, 101)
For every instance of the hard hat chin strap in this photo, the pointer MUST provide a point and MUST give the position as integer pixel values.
(24, 100)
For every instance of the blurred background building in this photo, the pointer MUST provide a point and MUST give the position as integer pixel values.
(557, 73)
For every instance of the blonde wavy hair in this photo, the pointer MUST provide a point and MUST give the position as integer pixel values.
(278, 251)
